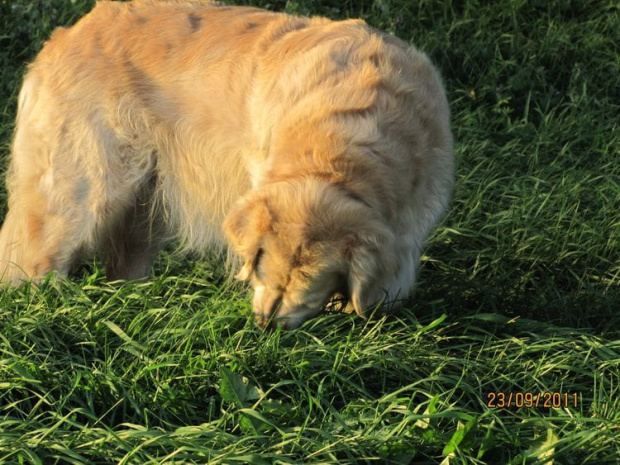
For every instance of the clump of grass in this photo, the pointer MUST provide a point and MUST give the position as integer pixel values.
(518, 294)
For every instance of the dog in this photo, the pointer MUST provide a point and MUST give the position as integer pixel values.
(319, 151)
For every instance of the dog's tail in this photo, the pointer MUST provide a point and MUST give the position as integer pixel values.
(19, 223)
(12, 260)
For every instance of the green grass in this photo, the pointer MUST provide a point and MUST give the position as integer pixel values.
(519, 292)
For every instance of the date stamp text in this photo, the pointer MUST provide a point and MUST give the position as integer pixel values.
(531, 399)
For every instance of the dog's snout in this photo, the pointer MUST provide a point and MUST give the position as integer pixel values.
(285, 317)
(266, 306)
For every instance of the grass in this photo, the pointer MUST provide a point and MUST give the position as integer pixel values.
(519, 291)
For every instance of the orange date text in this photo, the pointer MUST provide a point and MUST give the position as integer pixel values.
(531, 399)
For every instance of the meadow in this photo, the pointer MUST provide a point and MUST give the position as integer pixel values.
(518, 297)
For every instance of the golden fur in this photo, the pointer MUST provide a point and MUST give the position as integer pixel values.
(321, 149)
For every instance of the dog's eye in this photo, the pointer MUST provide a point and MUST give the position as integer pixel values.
(257, 260)
(304, 274)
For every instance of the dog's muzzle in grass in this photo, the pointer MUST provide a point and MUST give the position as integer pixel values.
(270, 310)
(286, 318)
(275, 314)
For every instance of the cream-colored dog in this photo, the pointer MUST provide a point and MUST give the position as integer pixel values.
(321, 149)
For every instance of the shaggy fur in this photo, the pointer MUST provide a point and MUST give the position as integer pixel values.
(321, 149)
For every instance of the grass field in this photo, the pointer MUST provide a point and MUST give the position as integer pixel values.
(519, 292)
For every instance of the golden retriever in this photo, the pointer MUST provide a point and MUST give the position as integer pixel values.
(320, 149)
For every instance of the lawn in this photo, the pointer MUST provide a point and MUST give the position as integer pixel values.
(518, 298)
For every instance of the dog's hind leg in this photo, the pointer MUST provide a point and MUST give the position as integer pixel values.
(66, 209)
(44, 228)
(69, 180)
(48, 218)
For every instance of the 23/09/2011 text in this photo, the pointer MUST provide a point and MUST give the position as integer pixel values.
(531, 400)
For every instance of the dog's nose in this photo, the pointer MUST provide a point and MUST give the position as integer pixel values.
(267, 323)
(262, 322)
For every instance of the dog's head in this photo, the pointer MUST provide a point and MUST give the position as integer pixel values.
(303, 242)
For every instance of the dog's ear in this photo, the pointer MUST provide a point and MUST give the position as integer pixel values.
(245, 226)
